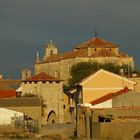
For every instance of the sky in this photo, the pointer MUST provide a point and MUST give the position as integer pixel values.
(26, 25)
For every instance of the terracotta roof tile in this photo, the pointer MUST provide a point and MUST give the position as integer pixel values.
(109, 96)
(81, 51)
(7, 93)
(97, 42)
(66, 55)
(42, 77)
(9, 83)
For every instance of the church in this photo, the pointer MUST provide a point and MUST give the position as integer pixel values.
(94, 50)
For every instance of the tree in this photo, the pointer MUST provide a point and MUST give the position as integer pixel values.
(80, 71)
(110, 67)
(83, 69)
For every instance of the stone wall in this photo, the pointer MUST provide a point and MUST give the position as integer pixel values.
(137, 86)
(52, 94)
(130, 99)
(118, 130)
(61, 68)
(124, 123)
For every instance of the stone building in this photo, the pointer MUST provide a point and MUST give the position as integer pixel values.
(50, 89)
(110, 116)
(94, 50)
(109, 123)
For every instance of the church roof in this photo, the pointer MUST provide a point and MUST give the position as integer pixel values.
(97, 43)
(42, 77)
(66, 55)
(81, 51)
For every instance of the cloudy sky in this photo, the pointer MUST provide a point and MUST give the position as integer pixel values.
(25, 25)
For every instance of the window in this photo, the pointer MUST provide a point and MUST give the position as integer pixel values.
(110, 49)
(95, 49)
(51, 52)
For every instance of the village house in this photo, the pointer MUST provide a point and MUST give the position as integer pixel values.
(110, 116)
(118, 99)
(100, 84)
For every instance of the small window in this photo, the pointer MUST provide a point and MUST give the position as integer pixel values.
(51, 52)
(110, 49)
(64, 106)
(95, 49)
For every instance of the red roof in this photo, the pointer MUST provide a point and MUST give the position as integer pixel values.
(66, 55)
(81, 51)
(97, 42)
(7, 93)
(109, 96)
(42, 77)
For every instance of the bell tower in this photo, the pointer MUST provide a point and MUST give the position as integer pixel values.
(50, 50)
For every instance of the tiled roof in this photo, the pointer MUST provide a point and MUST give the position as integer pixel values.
(66, 55)
(7, 93)
(97, 42)
(42, 77)
(81, 51)
(109, 96)
(9, 84)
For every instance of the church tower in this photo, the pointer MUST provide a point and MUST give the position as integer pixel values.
(50, 50)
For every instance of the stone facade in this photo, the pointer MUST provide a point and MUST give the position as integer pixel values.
(95, 50)
(51, 91)
(108, 123)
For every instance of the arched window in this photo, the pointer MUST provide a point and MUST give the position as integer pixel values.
(51, 117)
(51, 52)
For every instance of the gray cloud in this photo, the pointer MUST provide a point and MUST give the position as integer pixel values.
(25, 25)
